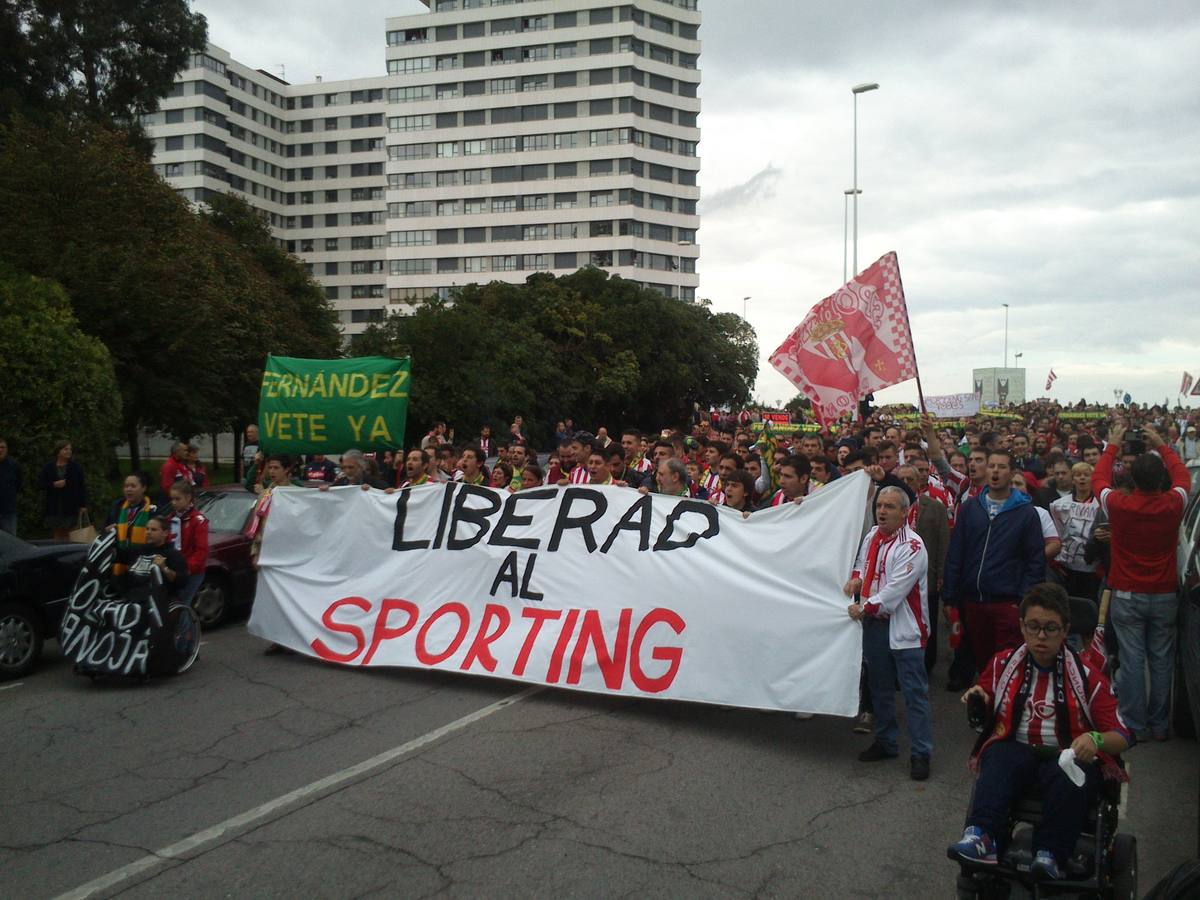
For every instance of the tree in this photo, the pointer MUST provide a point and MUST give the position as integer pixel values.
(108, 60)
(799, 406)
(597, 348)
(188, 306)
(58, 384)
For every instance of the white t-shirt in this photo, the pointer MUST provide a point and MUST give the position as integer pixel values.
(1049, 532)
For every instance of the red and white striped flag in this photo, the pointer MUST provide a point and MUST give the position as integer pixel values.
(853, 342)
(1185, 385)
(1050, 379)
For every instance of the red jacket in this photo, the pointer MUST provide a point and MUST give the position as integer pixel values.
(192, 540)
(1145, 526)
(171, 472)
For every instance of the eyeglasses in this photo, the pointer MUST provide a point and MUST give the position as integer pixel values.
(1051, 629)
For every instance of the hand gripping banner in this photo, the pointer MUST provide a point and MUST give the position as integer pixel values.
(588, 588)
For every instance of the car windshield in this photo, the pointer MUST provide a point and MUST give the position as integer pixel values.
(226, 510)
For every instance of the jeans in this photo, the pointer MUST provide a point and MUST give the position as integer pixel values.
(1145, 626)
(188, 587)
(1006, 771)
(8, 522)
(884, 666)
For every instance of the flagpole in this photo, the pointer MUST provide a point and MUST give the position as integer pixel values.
(916, 368)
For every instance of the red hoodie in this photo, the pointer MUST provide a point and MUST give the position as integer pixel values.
(1145, 526)
(189, 532)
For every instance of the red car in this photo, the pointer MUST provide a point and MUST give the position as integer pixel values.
(229, 576)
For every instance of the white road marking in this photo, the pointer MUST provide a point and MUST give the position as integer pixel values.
(9, 687)
(258, 814)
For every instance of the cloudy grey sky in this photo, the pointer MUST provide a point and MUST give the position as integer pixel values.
(1040, 155)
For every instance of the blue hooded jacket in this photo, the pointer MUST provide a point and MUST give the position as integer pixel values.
(995, 560)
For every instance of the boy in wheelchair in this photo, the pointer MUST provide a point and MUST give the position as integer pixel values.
(1043, 699)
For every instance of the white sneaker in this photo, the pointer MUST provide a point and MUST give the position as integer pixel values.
(804, 717)
(864, 724)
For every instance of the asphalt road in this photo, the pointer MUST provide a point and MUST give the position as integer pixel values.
(232, 781)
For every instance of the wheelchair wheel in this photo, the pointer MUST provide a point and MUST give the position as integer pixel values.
(1122, 880)
(185, 636)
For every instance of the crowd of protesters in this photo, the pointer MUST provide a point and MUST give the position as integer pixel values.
(999, 503)
(1087, 498)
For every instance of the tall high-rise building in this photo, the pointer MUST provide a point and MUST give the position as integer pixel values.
(506, 138)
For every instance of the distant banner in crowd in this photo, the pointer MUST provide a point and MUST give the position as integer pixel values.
(598, 589)
(852, 343)
(787, 427)
(332, 405)
(953, 406)
(777, 418)
(1096, 416)
(998, 414)
(1186, 384)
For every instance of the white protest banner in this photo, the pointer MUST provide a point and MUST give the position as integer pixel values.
(589, 588)
(953, 406)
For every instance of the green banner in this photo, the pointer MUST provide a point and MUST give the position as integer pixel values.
(791, 428)
(333, 405)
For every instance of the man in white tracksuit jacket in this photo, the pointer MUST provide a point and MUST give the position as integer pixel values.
(891, 574)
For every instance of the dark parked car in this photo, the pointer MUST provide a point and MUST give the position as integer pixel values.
(36, 580)
(229, 575)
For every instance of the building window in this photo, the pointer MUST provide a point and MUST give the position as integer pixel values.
(409, 123)
(410, 94)
(405, 67)
(410, 266)
(410, 238)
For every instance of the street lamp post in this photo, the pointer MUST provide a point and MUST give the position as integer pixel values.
(846, 227)
(1005, 305)
(745, 300)
(856, 90)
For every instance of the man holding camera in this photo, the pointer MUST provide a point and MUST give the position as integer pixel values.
(1143, 576)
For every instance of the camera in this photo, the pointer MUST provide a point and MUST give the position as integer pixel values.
(1135, 442)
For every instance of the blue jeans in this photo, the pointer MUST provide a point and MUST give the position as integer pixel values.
(1006, 771)
(1145, 626)
(189, 586)
(884, 667)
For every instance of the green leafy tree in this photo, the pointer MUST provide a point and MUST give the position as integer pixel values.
(58, 384)
(108, 60)
(189, 306)
(600, 349)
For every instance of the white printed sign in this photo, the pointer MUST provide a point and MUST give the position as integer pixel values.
(953, 406)
(589, 588)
